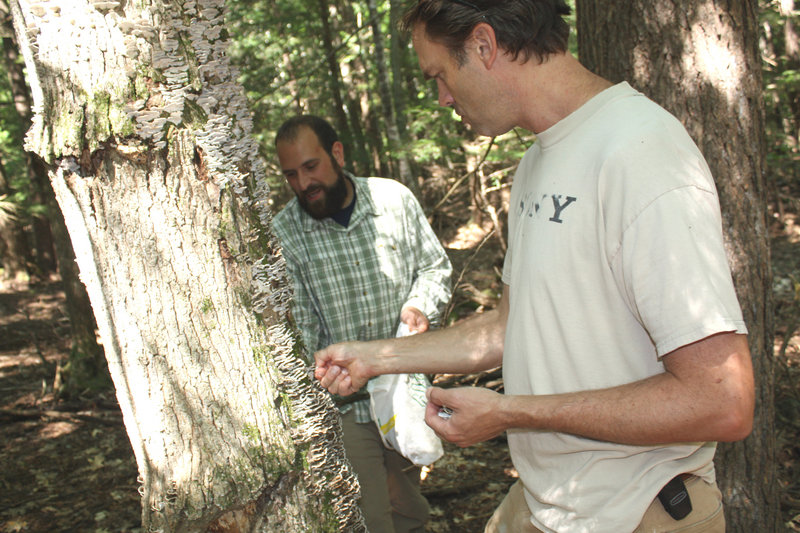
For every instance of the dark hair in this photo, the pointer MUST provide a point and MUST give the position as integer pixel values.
(523, 27)
(325, 133)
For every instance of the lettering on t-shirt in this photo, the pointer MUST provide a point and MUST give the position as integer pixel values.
(533, 208)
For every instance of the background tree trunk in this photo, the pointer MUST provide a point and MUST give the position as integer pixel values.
(700, 60)
(790, 37)
(346, 21)
(145, 134)
(398, 52)
(86, 368)
(349, 139)
(401, 169)
(14, 249)
(45, 255)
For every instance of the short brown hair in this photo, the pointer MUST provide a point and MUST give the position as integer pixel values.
(325, 133)
(523, 27)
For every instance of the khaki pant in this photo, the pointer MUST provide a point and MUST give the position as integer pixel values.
(513, 516)
(391, 500)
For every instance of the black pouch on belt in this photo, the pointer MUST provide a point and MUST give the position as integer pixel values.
(675, 498)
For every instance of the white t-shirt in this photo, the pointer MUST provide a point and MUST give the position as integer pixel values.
(615, 259)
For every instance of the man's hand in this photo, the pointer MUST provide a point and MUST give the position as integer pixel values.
(415, 319)
(341, 369)
(476, 416)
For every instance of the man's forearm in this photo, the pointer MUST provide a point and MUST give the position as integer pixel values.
(706, 394)
(473, 345)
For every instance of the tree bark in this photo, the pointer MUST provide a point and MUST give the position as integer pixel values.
(145, 134)
(700, 60)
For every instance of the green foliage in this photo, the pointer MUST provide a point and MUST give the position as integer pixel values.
(511, 146)
(431, 128)
(280, 49)
(573, 36)
(12, 156)
(275, 46)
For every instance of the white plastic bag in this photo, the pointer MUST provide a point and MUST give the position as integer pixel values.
(397, 403)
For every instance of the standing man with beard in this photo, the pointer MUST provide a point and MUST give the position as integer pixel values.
(362, 258)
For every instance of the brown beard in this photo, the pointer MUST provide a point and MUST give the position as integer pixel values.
(332, 199)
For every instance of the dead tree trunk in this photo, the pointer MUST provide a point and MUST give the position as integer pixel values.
(146, 137)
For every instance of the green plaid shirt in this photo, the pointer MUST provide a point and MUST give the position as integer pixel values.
(351, 283)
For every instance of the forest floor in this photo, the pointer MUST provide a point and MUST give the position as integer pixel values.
(67, 466)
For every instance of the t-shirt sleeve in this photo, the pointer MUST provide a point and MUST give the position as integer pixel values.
(673, 270)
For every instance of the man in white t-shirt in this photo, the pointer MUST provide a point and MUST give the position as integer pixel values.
(624, 353)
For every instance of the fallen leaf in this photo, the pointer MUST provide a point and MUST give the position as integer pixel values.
(15, 525)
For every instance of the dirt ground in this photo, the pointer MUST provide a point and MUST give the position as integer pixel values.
(68, 466)
(63, 467)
